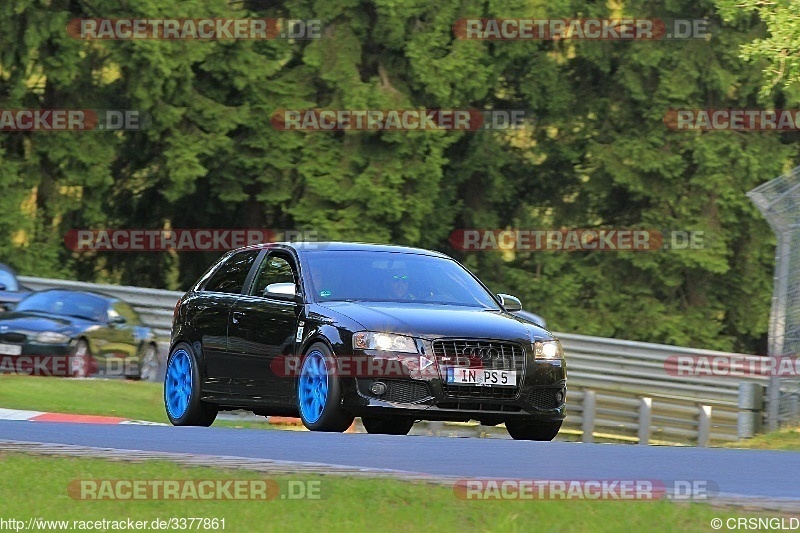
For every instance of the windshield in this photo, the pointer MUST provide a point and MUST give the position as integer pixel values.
(392, 277)
(74, 304)
(8, 280)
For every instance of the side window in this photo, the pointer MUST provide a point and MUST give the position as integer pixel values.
(230, 277)
(275, 268)
(123, 309)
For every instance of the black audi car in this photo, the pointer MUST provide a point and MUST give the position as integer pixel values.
(76, 334)
(331, 331)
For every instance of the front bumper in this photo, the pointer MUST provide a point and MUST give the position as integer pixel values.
(424, 395)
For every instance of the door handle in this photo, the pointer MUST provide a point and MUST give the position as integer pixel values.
(236, 316)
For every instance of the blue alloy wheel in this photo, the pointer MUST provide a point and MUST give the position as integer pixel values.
(313, 387)
(178, 389)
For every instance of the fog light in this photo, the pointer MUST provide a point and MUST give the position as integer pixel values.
(560, 396)
(378, 388)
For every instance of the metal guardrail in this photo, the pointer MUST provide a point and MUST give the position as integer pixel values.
(632, 366)
(616, 387)
(631, 393)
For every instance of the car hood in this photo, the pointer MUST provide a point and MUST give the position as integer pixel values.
(37, 322)
(433, 321)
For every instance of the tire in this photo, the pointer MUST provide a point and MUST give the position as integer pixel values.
(148, 365)
(182, 390)
(79, 360)
(319, 393)
(527, 430)
(390, 425)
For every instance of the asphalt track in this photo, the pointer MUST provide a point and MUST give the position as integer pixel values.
(772, 476)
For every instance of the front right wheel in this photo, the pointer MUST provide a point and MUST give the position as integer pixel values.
(391, 425)
(182, 390)
(80, 360)
(526, 430)
(319, 392)
(148, 366)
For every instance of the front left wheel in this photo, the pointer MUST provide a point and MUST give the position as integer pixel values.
(526, 430)
(390, 425)
(182, 390)
(319, 392)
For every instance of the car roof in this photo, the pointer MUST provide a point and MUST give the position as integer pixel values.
(73, 291)
(337, 246)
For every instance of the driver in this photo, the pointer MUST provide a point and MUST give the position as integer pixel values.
(318, 281)
(398, 286)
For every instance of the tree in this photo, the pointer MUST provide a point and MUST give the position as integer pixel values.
(595, 153)
(779, 49)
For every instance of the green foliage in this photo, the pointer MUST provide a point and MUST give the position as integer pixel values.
(596, 153)
(777, 48)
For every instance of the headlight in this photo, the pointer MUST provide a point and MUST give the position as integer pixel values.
(370, 340)
(51, 337)
(548, 350)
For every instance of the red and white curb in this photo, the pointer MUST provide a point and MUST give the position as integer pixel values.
(41, 416)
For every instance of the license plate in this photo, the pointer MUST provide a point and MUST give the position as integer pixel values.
(482, 378)
(10, 349)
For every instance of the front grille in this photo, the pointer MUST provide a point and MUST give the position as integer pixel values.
(13, 337)
(497, 356)
(471, 391)
(405, 391)
(479, 406)
(544, 398)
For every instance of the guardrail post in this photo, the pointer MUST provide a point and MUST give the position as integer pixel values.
(645, 410)
(794, 408)
(751, 405)
(704, 426)
(589, 406)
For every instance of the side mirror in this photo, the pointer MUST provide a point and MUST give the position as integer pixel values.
(510, 303)
(117, 320)
(282, 291)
